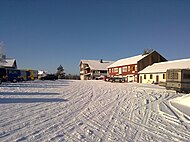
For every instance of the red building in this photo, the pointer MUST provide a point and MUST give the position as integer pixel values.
(128, 68)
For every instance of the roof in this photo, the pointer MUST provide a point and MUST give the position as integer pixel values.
(97, 65)
(8, 62)
(128, 61)
(163, 66)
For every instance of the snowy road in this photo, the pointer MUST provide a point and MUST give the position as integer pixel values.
(92, 111)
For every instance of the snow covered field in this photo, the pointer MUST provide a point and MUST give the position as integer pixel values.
(92, 111)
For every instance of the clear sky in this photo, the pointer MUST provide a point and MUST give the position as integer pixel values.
(42, 34)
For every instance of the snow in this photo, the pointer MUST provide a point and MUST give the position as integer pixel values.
(127, 61)
(96, 65)
(92, 111)
(163, 66)
(182, 103)
(7, 62)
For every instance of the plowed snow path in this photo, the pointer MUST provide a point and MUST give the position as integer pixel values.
(89, 111)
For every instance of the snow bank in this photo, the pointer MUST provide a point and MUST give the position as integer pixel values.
(182, 104)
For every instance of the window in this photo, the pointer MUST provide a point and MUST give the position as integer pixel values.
(124, 69)
(103, 72)
(164, 76)
(133, 68)
(175, 75)
(136, 68)
(186, 76)
(172, 75)
(96, 72)
(109, 70)
(145, 76)
(13, 71)
(129, 68)
(150, 76)
(115, 69)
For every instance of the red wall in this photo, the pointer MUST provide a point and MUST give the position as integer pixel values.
(112, 73)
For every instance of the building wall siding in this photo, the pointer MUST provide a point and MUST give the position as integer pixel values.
(148, 80)
(131, 69)
(152, 58)
(87, 74)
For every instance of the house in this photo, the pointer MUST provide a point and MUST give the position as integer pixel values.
(156, 73)
(128, 68)
(93, 69)
(8, 63)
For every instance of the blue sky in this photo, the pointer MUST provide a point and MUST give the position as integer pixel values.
(42, 34)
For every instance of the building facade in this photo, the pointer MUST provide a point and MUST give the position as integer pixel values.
(8, 62)
(93, 69)
(156, 73)
(129, 68)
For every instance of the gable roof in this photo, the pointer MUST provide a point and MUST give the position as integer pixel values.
(163, 66)
(128, 61)
(96, 64)
(8, 62)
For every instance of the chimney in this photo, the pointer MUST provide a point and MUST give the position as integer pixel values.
(101, 61)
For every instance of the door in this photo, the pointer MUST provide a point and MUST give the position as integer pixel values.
(140, 79)
(157, 79)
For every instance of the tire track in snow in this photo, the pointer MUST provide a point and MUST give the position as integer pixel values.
(84, 120)
(71, 103)
(77, 116)
(155, 103)
(68, 122)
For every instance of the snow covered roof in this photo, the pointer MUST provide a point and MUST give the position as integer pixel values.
(127, 61)
(97, 65)
(8, 62)
(163, 66)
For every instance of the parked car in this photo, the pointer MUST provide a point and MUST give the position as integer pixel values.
(49, 77)
(118, 79)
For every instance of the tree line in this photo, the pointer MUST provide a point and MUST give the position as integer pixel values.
(62, 75)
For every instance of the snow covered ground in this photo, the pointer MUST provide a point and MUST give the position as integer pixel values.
(92, 111)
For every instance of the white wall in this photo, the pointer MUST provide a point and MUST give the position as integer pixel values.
(81, 77)
(150, 81)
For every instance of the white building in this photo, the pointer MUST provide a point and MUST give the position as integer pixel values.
(157, 72)
(8, 63)
(92, 69)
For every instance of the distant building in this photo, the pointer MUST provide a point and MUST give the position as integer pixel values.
(41, 73)
(128, 68)
(93, 69)
(7, 62)
(157, 72)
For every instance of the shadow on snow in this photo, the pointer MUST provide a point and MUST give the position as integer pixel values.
(33, 85)
(30, 100)
(27, 93)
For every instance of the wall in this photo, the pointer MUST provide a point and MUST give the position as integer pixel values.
(129, 70)
(153, 57)
(81, 77)
(153, 80)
